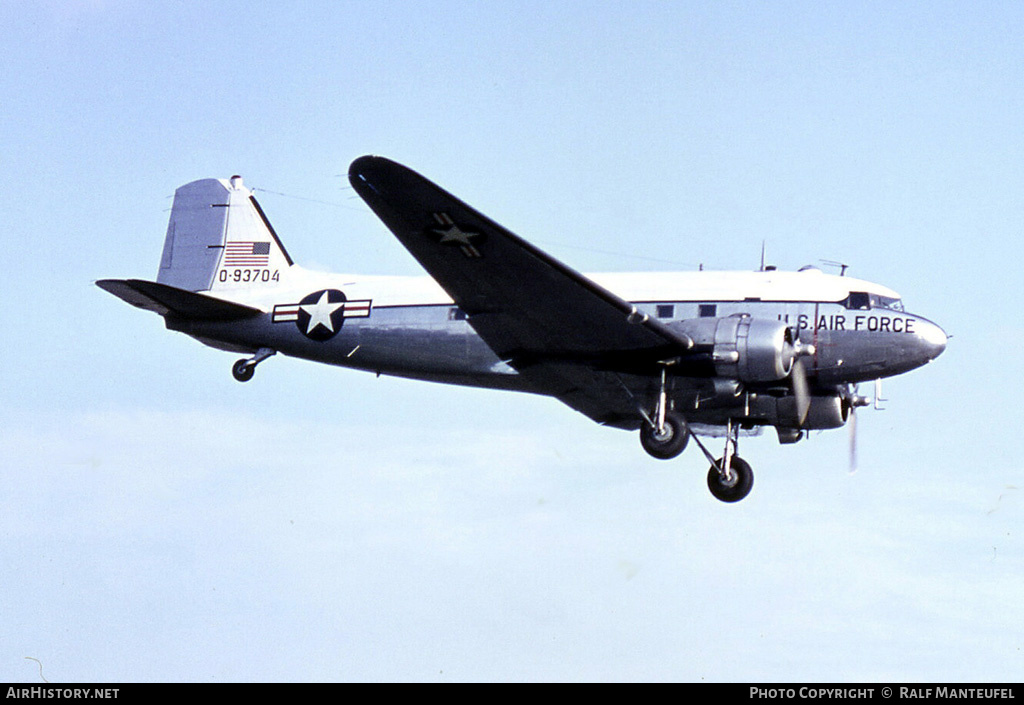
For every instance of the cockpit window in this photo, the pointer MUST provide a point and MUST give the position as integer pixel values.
(862, 301)
(879, 301)
(858, 300)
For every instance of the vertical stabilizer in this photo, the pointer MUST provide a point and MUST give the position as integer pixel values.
(219, 239)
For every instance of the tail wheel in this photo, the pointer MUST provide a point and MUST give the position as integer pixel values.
(736, 486)
(669, 442)
(243, 370)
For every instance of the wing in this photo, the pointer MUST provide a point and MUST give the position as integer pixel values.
(567, 335)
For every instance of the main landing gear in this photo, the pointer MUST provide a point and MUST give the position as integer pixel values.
(669, 440)
(665, 434)
(734, 485)
(730, 478)
(244, 369)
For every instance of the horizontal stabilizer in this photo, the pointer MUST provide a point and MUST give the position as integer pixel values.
(164, 299)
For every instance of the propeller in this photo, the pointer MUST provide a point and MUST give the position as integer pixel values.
(852, 423)
(798, 378)
(801, 390)
(854, 400)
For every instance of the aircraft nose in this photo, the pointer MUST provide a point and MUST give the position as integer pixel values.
(931, 339)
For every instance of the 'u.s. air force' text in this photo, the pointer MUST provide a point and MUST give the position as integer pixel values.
(881, 324)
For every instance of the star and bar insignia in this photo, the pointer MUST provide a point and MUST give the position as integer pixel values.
(320, 315)
(451, 234)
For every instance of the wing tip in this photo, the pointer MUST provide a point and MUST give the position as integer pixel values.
(376, 175)
(363, 170)
(367, 162)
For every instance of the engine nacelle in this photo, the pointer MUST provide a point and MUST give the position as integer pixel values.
(745, 348)
(825, 411)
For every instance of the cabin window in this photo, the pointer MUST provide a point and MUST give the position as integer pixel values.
(858, 300)
(456, 314)
(707, 310)
(666, 310)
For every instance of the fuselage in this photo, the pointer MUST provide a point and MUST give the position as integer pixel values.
(408, 326)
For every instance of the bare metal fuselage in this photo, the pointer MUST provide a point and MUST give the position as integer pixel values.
(427, 337)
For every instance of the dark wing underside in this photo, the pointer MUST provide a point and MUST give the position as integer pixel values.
(567, 336)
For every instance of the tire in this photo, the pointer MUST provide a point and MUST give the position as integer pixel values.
(671, 443)
(243, 371)
(736, 490)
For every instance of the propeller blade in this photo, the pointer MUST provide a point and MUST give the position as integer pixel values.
(852, 423)
(854, 399)
(801, 390)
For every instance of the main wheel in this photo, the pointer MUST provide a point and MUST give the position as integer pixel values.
(737, 487)
(667, 444)
(243, 371)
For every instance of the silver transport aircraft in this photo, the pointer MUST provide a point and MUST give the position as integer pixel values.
(671, 355)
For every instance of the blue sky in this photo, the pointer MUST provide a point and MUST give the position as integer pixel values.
(161, 522)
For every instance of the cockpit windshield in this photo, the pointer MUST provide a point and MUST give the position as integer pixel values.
(887, 302)
(863, 301)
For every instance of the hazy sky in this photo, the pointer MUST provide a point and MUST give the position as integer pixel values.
(160, 521)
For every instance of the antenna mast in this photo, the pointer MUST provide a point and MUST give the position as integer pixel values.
(842, 267)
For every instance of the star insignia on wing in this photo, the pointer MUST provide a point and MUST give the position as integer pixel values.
(451, 234)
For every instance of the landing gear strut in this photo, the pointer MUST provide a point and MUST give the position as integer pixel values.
(244, 369)
(666, 434)
(730, 477)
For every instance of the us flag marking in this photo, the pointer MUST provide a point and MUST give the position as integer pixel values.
(246, 254)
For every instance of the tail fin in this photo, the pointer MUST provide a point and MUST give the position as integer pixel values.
(219, 239)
